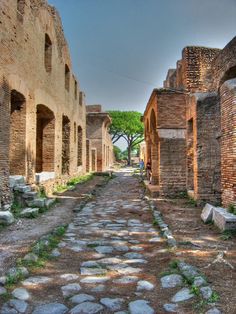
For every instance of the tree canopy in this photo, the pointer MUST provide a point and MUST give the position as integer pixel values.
(127, 125)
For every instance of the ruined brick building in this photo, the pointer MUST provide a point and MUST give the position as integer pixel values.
(42, 109)
(99, 144)
(190, 126)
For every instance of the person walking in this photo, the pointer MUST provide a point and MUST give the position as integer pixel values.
(141, 167)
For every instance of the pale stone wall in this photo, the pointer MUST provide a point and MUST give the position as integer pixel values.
(35, 66)
(99, 137)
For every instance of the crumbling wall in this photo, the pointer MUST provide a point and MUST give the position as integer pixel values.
(196, 63)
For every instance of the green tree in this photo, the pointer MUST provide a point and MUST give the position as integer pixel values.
(117, 153)
(127, 125)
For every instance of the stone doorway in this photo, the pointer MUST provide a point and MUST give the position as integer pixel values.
(17, 149)
(45, 140)
(65, 145)
(94, 160)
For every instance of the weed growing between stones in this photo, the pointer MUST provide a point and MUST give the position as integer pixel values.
(70, 185)
(192, 202)
(16, 207)
(43, 248)
(14, 278)
(195, 290)
(228, 234)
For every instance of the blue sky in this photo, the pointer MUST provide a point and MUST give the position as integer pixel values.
(122, 49)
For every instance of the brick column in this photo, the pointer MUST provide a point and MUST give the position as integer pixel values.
(228, 146)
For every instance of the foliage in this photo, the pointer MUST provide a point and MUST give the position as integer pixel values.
(195, 290)
(232, 209)
(127, 125)
(117, 152)
(228, 234)
(72, 183)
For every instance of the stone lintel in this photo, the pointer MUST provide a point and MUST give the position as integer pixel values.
(171, 133)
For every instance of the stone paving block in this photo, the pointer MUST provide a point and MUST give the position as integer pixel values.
(51, 308)
(6, 218)
(223, 219)
(182, 295)
(29, 212)
(207, 213)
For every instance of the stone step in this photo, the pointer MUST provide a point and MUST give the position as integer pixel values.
(37, 202)
(22, 188)
(6, 218)
(30, 195)
(29, 212)
(49, 202)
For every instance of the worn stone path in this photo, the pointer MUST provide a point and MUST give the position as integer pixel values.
(103, 263)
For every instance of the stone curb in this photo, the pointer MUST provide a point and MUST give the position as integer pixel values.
(161, 224)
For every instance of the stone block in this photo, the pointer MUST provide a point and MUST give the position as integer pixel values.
(29, 212)
(44, 176)
(16, 180)
(49, 202)
(224, 220)
(6, 218)
(207, 213)
(39, 202)
(30, 195)
(22, 188)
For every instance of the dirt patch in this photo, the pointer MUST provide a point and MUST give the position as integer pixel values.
(199, 244)
(16, 239)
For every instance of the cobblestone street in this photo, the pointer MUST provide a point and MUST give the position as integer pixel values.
(112, 258)
(105, 258)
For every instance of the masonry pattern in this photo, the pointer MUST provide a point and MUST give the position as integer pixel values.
(206, 114)
(42, 109)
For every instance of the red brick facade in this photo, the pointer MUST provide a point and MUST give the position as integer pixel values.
(207, 78)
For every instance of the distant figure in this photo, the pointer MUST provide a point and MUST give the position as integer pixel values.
(141, 167)
(149, 171)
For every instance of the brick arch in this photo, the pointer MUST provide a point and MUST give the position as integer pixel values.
(153, 123)
(228, 75)
(45, 139)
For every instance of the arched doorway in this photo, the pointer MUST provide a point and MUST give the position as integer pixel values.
(17, 149)
(45, 140)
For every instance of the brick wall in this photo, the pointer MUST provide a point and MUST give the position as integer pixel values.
(224, 65)
(5, 197)
(65, 145)
(171, 109)
(88, 156)
(196, 64)
(94, 108)
(228, 149)
(206, 132)
(17, 154)
(80, 146)
(33, 59)
(97, 133)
